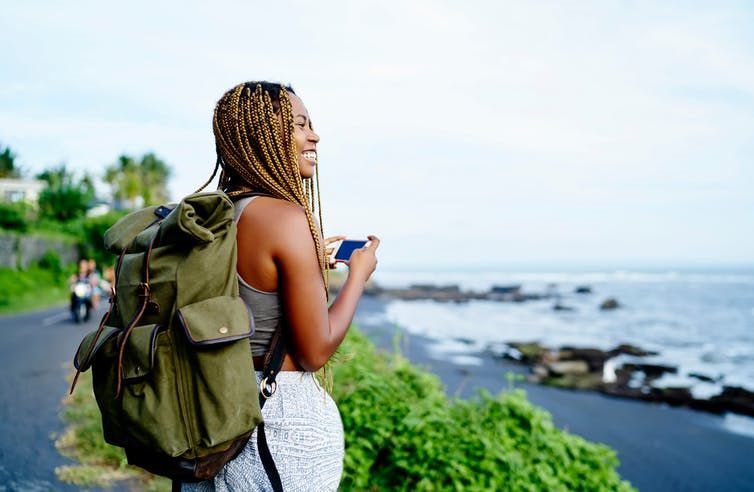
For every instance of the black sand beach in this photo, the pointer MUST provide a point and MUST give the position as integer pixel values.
(660, 448)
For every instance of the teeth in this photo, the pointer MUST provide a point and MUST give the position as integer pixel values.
(310, 155)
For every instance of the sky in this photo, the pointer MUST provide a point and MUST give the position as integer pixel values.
(464, 134)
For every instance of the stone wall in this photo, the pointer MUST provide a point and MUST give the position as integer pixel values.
(20, 251)
(8, 251)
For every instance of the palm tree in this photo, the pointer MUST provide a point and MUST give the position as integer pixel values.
(132, 179)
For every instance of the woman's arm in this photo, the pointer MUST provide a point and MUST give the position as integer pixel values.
(315, 331)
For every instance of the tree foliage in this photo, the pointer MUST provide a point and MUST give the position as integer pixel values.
(140, 181)
(66, 196)
(14, 216)
(8, 167)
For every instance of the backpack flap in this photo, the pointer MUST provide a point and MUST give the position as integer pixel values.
(216, 320)
(80, 361)
(122, 233)
(138, 356)
(198, 218)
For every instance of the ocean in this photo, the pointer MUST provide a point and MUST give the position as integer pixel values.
(702, 322)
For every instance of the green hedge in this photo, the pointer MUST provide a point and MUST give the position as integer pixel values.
(404, 433)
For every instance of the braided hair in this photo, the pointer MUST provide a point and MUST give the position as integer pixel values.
(253, 126)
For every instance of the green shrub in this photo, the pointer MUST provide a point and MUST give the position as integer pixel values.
(50, 260)
(92, 237)
(14, 216)
(404, 433)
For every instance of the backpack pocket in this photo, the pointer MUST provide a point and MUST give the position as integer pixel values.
(139, 354)
(150, 405)
(219, 369)
(86, 353)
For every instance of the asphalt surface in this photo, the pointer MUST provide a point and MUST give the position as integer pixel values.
(660, 448)
(36, 350)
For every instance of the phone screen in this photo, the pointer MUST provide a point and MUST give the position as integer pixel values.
(347, 247)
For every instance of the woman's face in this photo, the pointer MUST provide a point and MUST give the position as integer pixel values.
(306, 139)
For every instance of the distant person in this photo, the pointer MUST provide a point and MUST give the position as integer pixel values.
(83, 274)
(95, 278)
(266, 144)
(82, 287)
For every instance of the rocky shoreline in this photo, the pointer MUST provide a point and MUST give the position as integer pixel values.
(622, 371)
(497, 293)
(619, 372)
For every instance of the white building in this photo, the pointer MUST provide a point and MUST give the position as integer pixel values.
(20, 190)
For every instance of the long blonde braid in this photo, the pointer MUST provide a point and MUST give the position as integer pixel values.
(255, 151)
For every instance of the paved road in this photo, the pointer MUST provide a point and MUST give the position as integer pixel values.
(35, 349)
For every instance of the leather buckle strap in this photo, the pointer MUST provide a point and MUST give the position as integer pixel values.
(268, 387)
(272, 363)
(143, 290)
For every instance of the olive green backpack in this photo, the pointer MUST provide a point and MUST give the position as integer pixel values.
(171, 360)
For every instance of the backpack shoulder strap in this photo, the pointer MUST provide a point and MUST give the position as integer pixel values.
(267, 386)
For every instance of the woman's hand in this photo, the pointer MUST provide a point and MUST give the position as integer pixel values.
(329, 251)
(363, 261)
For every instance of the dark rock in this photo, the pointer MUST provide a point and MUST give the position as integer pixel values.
(652, 371)
(704, 377)
(446, 293)
(466, 341)
(562, 307)
(627, 349)
(505, 289)
(609, 304)
(676, 396)
(583, 289)
(595, 358)
(435, 288)
(736, 399)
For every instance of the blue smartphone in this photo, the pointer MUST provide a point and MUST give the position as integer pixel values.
(347, 247)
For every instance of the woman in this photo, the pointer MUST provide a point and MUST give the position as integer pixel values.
(266, 145)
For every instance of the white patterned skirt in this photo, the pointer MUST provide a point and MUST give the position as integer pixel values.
(305, 436)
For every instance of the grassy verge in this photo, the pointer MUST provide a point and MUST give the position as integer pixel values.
(99, 464)
(404, 433)
(33, 288)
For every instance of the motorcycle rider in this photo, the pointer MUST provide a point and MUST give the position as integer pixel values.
(82, 276)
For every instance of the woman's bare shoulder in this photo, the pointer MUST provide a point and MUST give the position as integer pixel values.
(277, 217)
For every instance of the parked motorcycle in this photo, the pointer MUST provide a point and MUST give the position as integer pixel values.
(81, 300)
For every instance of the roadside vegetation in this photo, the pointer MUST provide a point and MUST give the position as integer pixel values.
(33, 288)
(402, 433)
(62, 212)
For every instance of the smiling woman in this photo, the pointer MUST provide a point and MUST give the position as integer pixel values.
(267, 153)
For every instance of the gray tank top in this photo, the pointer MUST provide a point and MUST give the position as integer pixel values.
(265, 306)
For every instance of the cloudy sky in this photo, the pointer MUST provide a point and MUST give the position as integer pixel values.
(463, 133)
